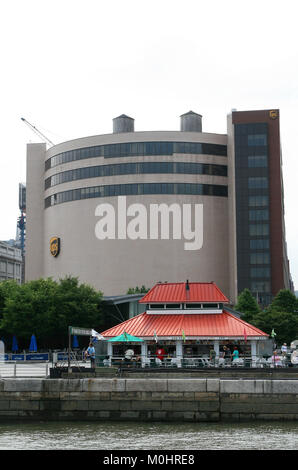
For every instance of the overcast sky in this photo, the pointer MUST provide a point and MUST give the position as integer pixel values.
(69, 67)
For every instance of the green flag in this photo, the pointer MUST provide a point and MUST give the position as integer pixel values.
(183, 336)
(273, 333)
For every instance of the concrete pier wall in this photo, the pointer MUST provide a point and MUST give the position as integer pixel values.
(193, 400)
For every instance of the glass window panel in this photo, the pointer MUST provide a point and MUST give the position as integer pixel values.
(258, 229)
(256, 201)
(257, 161)
(256, 139)
(260, 272)
(260, 214)
(260, 286)
(258, 182)
(259, 258)
(259, 244)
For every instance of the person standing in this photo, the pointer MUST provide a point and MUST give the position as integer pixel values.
(235, 355)
(128, 355)
(90, 353)
(212, 355)
(160, 353)
(284, 349)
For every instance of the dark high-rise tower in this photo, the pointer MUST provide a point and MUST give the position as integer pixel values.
(255, 157)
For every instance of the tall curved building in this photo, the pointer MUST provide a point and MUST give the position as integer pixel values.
(134, 208)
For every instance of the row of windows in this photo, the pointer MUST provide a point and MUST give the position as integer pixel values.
(136, 149)
(259, 244)
(256, 139)
(136, 189)
(136, 168)
(259, 258)
(258, 200)
(260, 286)
(257, 161)
(260, 272)
(259, 214)
(258, 182)
(259, 230)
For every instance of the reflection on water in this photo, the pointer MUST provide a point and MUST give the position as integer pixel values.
(148, 436)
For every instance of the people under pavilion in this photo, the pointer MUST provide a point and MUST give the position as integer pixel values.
(187, 320)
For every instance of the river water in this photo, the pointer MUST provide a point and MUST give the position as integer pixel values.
(148, 436)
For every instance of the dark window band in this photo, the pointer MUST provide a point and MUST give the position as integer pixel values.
(136, 189)
(136, 149)
(136, 169)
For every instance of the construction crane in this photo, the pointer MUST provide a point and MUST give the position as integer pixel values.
(40, 134)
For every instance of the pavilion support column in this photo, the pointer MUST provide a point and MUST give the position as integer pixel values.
(110, 352)
(253, 346)
(144, 349)
(216, 349)
(179, 353)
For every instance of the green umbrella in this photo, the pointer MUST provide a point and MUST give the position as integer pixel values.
(125, 338)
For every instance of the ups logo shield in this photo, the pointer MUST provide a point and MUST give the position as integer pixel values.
(273, 114)
(55, 246)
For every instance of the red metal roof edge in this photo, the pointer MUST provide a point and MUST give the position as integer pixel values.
(258, 332)
(248, 324)
(144, 299)
(119, 324)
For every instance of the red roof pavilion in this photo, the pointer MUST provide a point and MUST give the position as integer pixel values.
(219, 324)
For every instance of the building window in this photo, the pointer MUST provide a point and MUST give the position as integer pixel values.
(3, 266)
(135, 189)
(136, 168)
(261, 214)
(257, 161)
(260, 272)
(258, 182)
(256, 139)
(260, 230)
(139, 149)
(194, 306)
(259, 286)
(258, 201)
(259, 244)
(259, 258)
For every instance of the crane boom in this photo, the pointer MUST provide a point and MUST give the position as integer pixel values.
(40, 134)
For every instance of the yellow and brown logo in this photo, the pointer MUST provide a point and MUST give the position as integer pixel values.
(273, 114)
(55, 246)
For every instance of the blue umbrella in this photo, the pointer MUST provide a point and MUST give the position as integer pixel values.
(75, 343)
(15, 346)
(33, 344)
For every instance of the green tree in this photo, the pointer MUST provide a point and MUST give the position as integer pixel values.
(7, 290)
(247, 304)
(46, 308)
(285, 301)
(285, 324)
(281, 315)
(137, 290)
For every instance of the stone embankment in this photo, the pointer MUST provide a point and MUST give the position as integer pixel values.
(151, 399)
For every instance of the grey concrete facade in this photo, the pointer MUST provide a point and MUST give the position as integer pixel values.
(10, 263)
(193, 400)
(102, 263)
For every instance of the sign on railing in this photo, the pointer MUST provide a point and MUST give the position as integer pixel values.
(75, 330)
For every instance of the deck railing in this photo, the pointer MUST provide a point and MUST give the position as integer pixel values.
(197, 362)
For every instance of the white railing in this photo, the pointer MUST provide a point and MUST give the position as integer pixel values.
(202, 362)
(23, 370)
